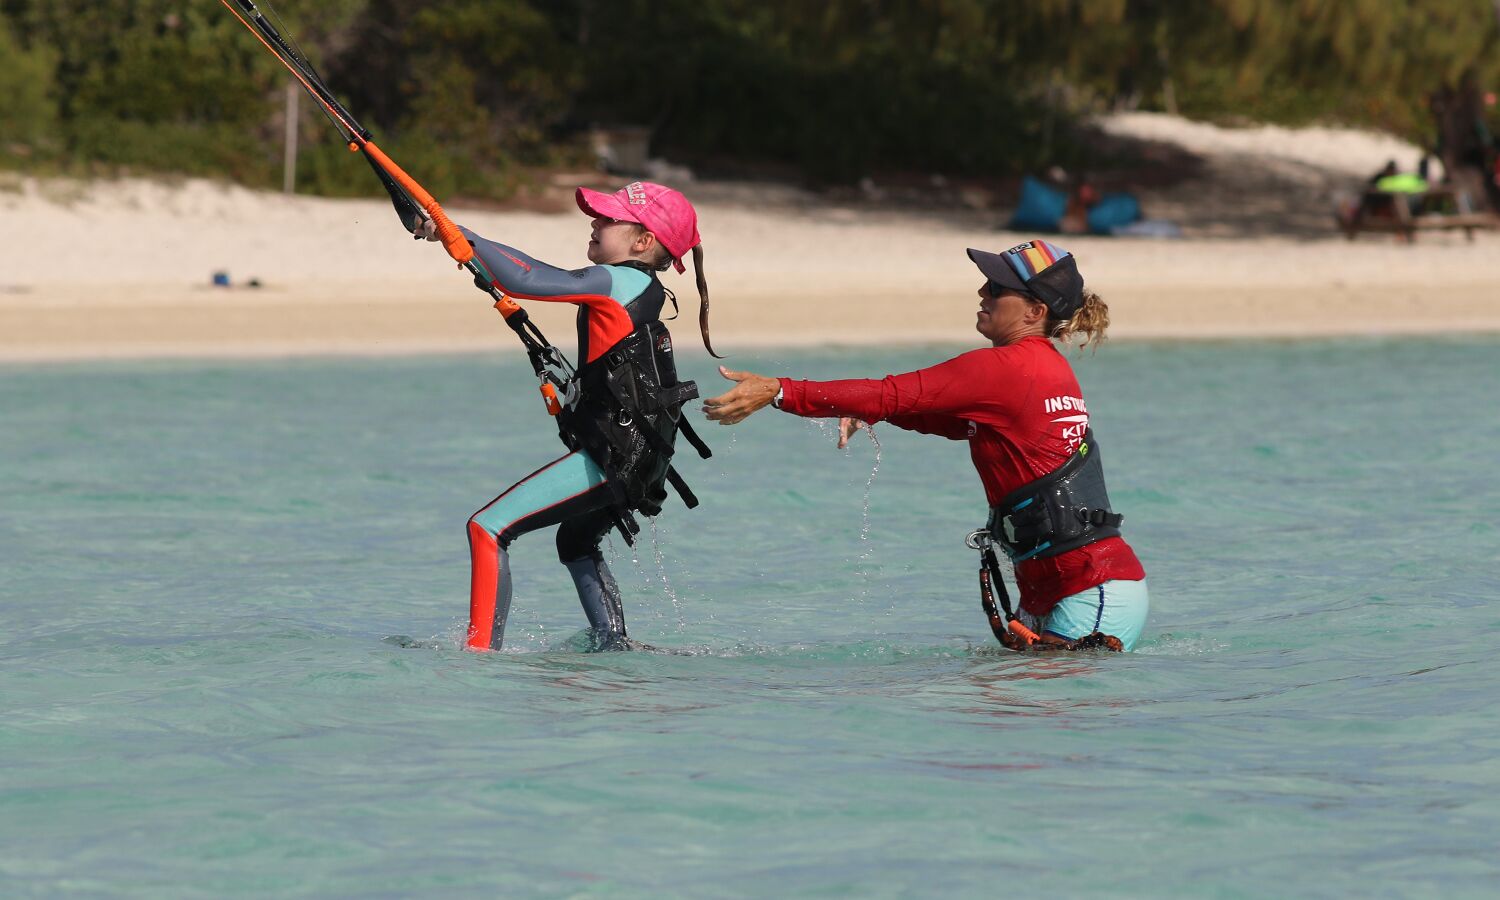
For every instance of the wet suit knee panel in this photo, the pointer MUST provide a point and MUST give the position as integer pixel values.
(561, 490)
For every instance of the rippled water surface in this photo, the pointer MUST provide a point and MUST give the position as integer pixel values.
(232, 597)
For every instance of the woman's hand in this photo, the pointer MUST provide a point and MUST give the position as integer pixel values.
(753, 392)
(847, 427)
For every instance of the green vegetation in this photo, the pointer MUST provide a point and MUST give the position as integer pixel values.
(474, 94)
(28, 115)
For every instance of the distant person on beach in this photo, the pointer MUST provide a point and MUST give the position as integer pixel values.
(1019, 406)
(621, 416)
(1388, 170)
(1399, 187)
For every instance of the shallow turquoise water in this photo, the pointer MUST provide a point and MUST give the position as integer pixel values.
(205, 565)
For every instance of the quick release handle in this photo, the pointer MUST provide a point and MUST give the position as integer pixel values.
(549, 397)
(453, 240)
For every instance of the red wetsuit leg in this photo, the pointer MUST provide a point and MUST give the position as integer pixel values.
(484, 588)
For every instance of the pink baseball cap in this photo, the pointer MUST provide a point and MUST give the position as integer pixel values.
(663, 211)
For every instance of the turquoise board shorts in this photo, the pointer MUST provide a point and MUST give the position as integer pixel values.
(1114, 607)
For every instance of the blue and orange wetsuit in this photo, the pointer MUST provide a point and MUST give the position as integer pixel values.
(572, 491)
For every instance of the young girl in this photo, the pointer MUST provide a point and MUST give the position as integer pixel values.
(621, 413)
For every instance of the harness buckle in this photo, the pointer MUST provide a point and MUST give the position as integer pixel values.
(1099, 518)
(979, 540)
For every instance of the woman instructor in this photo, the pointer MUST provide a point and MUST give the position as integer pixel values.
(1018, 404)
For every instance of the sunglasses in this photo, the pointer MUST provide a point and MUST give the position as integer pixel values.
(995, 289)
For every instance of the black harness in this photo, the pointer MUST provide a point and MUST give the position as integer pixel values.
(626, 412)
(1061, 511)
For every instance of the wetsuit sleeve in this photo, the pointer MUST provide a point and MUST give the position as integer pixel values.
(936, 400)
(524, 278)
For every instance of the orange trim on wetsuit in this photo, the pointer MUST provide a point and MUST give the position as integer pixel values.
(598, 290)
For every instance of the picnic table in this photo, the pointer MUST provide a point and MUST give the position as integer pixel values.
(1440, 209)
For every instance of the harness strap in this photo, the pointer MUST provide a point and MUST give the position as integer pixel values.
(657, 442)
(686, 430)
(689, 499)
(678, 394)
(625, 523)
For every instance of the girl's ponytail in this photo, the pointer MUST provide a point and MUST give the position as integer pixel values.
(702, 299)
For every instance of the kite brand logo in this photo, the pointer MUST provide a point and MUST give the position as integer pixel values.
(636, 192)
(664, 343)
(1068, 404)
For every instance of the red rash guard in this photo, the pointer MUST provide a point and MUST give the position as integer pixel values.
(1020, 409)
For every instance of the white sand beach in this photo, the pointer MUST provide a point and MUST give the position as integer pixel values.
(122, 269)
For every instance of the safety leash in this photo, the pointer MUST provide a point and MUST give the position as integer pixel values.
(1004, 621)
(990, 583)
